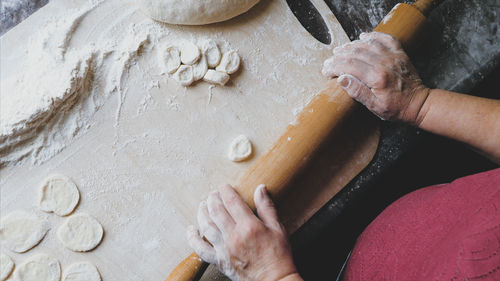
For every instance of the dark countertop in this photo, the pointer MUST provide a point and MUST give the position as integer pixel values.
(462, 48)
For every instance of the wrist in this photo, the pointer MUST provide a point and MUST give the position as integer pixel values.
(292, 277)
(415, 113)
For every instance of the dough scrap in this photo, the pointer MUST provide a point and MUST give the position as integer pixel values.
(190, 53)
(58, 194)
(229, 63)
(184, 75)
(240, 149)
(200, 68)
(21, 231)
(39, 268)
(216, 77)
(211, 51)
(171, 56)
(80, 233)
(82, 271)
(6, 266)
(195, 12)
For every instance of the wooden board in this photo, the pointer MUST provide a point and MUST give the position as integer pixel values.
(143, 172)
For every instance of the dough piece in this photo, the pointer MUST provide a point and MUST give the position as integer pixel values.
(59, 195)
(39, 268)
(6, 266)
(21, 231)
(240, 149)
(190, 53)
(211, 51)
(172, 59)
(200, 68)
(80, 233)
(184, 75)
(82, 271)
(195, 12)
(216, 77)
(229, 63)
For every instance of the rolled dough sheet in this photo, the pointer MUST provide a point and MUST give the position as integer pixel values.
(155, 149)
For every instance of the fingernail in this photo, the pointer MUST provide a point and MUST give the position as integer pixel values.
(343, 81)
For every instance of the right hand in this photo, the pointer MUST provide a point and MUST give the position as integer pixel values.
(376, 72)
(242, 245)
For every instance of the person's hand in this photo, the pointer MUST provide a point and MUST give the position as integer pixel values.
(243, 246)
(376, 72)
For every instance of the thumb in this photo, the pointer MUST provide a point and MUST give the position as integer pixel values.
(356, 89)
(265, 207)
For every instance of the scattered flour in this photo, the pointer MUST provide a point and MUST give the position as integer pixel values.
(58, 91)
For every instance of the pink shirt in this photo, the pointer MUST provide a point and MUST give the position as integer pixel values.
(443, 232)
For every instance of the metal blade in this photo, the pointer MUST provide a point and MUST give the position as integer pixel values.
(310, 19)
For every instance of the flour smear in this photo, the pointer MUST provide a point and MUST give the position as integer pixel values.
(61, 86)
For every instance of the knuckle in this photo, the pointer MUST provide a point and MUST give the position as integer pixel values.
(380, 79)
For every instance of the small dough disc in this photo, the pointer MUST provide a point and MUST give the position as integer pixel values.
(229, 63)
(82, 271)
(200, 68)
(59, 195)
(190, 53)
(39, 268)
(80, 232)
(6, 266)
(211, 51)
(216, 77)
(21, 231)
(240, 149)
(171, 56)
(184, 75)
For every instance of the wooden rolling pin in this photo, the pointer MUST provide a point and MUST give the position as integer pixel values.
(322, 116)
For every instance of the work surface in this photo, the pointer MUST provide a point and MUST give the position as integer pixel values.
(450, 58)
(143, 149)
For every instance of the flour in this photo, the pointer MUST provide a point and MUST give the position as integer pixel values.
(56, 95)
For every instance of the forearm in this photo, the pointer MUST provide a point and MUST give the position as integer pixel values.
(292, 277)
(471, 120)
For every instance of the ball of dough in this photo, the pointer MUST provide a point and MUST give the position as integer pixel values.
(200, 68)
(171, 57)
(39, 268)
(229, 63)
(6, 266)
(59, 195)
(240, 149)
(190, 53)
(21, 231)
(184, 75)
(216, 77)
(82, 271)
(194, 12)
(211, 51)
(80, 233)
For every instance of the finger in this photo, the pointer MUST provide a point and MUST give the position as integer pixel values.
(204, 250)
(366, 54)
(367, 44)
(385, 39)
(265, 208)
(357, 90)
(328, 68)
(219, 214)
(236, 207)
(360, 69)
(207, 227)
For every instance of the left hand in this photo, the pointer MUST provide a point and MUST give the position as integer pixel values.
(376, 72)
(243, 246)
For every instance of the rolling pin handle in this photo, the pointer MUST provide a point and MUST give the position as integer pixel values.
(190, 269)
